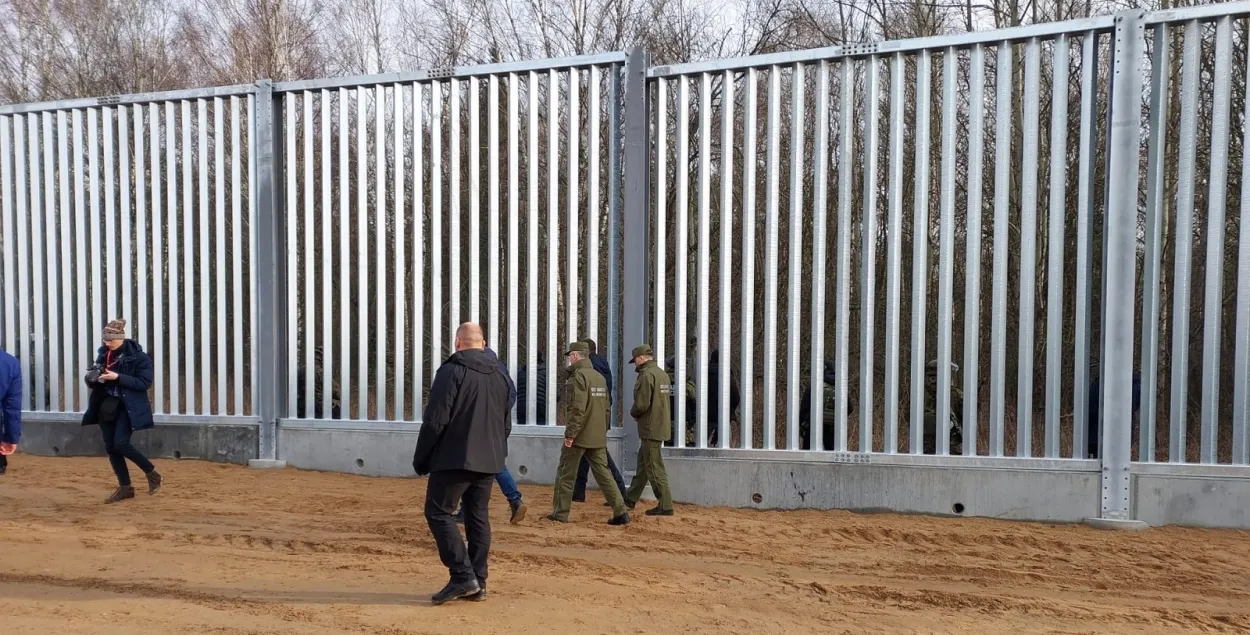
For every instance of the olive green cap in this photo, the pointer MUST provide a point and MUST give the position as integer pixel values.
(639, 351)
(577, 347)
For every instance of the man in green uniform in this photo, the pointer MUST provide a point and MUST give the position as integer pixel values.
(651, 410)
(930, 411)
(585, 434)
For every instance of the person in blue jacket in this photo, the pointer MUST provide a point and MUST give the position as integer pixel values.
(10, 407)
(1093, 434)
(507, 484)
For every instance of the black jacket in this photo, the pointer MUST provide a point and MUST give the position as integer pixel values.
(600, 363)
(534, 387)
(466, 422)
(134, 378)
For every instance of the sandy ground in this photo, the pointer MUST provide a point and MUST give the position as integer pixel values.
(223, 549)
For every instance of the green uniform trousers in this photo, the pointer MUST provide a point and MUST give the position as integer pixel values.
(566, 474)
(651, 469)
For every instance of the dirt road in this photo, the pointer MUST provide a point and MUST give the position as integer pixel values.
(223, 549)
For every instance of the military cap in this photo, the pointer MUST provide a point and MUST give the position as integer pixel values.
(577, 347)
(644, 349)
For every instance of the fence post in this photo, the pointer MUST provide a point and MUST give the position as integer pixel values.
(637, 237)
(270, 336)
(1120, 264)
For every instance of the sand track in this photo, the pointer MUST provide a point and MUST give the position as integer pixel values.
(226, 550)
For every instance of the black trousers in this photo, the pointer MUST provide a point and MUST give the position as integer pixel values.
(583, 473)
(117, 444)
(4, 462)
(443, 494)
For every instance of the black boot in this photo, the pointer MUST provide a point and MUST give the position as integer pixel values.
(455, 591)
(122, 493)
(656, 511)
(518, 512)
(480, 595)
(623, 519)
(154, 482)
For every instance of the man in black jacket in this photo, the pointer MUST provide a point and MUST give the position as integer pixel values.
(462, 446)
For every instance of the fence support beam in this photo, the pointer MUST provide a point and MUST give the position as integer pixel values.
(269, 334)
(637, 273)
(1120, 262)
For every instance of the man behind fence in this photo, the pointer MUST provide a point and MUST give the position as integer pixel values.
(462, 446)
(10, 407)
(585, 434)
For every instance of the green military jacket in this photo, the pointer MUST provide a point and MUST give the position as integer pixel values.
(586, 407)
(651, 403)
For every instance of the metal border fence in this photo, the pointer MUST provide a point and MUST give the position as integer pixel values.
(302, 251)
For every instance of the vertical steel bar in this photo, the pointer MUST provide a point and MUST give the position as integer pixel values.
(946, 252)
(290, 172)
(1120, 248)
(820, 259)
(127, 255)
(725, 319)
(636, 71)
(475, 201)
(514, 212)
(109, 284)
(401, 258)
(453, 194)
(1056, 218)
(1156, 210)
(237, 252)
(772, 215)
(159, 264)
(52, 363)
(593, 209)
(531, 259)
(682, 254)
(1028, 246)
(37, 247)
(190, 383)
(98, 319)
(920, 251)
(1216, 201)
(1085, 203)
(271, 243)
(795, 247)
(868, 271)
(345, 255)
(326, 363)
(203, 386)
(7, 185)
(704, 258)
(1002, 202)
(661, 218)
(254, 156)
(553, 237)
(65, 315)
(436, 227)
(145, 273)
(972, 261)
(220, 316)
(362, 254)
(419, 212)
(493, 245)
(380, 266)
(894, 255)
(307, 312)
(842, 310)
(23, 252)
(1191, 69)
(574, 166)
(1241, 362)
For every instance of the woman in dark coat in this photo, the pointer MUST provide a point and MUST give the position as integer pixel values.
(119, 405)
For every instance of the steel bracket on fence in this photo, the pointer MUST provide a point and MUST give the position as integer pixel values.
(637, 234)
(270, 329)
(1120, 261)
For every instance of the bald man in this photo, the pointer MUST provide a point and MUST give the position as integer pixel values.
(462, 446)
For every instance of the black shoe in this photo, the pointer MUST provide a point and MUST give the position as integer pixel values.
(154, 482)
(518, 512)
(479, 596)
(656, 511)
(553, 518)
(2, 470)
(122, 493)
(623, 519)
(455, 591)
(579, 500)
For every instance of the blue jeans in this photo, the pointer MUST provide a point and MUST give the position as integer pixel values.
(507, 486)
